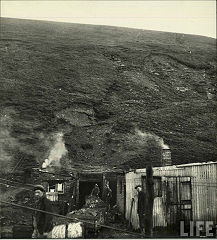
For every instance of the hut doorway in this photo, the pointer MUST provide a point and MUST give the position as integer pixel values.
(85, 188)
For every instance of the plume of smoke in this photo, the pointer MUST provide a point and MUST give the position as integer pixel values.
(57, 152)
(147, 136)
(163, 145)
(144, 134)
(143, 148)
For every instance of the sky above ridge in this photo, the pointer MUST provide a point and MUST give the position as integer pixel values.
(190, 17)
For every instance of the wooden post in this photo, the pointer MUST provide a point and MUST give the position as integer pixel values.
(103, 186)
(77, 189)
(150, 201)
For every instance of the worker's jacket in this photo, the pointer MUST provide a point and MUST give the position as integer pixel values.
(141, 203)
(44, 221)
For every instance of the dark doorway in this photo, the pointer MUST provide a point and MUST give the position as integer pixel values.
(85, 189)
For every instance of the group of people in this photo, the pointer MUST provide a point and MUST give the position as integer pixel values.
(43, 221)
(107, 193)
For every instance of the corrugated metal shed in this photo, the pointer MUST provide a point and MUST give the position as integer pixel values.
(203, 184)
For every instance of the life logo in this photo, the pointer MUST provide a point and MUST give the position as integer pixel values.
(197, 229)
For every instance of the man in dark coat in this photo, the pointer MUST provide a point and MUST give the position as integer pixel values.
(42, 222)
(141, 210)
(107, 195)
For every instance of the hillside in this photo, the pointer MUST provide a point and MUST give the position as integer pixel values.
(95, 85)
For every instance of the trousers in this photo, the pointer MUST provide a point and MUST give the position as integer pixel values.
(142, 221)
(145, 224)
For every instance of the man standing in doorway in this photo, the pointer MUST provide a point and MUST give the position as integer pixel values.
(141, 208)
(42, 222)
(95, 191)
(107, 195)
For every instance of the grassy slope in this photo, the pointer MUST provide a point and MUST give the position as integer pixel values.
(97, 83)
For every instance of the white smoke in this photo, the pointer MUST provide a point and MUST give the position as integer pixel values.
(143, 134)
(149, 135)
(163, 145)
(57, 152)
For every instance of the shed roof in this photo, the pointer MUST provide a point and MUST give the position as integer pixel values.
(179, 167)
(196, 164)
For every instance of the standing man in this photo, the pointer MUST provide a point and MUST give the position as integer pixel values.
(42, 222)
(95, 191)
(141, 210)
(107, 195)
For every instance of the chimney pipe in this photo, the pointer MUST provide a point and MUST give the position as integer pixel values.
(166, 157)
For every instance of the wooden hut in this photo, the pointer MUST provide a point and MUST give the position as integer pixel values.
(72, 187)
(182, 192)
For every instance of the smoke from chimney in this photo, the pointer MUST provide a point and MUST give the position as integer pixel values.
(165, 150)
(148, 135)
(163, 145)
(57, 152)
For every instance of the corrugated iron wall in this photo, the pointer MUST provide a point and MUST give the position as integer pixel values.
(204, 191)
(204, 188)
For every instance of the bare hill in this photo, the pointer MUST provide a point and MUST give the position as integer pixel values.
(96, 84)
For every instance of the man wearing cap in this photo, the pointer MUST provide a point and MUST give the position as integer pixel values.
(141, 208)
(42, 222)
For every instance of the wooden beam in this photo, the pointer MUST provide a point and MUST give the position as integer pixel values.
(103, 185)
(77, 189)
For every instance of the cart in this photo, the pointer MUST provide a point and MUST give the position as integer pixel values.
(86, 222)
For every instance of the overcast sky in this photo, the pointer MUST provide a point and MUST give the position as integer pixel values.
(193, 17)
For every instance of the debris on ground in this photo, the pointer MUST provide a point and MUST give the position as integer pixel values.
(94, 202)
(92, 214)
